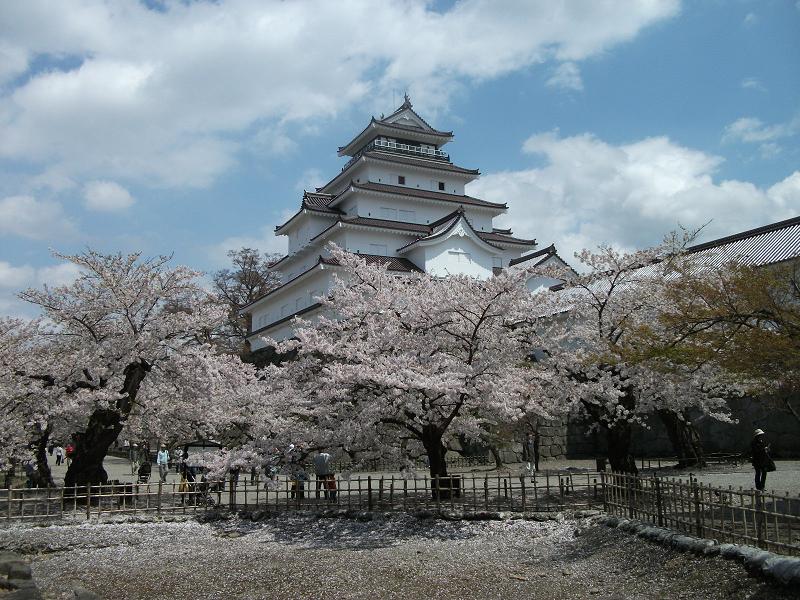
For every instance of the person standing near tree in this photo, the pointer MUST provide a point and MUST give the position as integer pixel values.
(59, 451)
(162, 460)
(325, 477)
(760, 458)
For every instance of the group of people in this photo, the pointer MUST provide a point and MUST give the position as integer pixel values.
(62, 454)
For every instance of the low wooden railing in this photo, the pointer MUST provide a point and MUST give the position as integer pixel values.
(460, 493)
(769, 521)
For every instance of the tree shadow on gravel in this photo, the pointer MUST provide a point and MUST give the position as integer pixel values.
(351, 534)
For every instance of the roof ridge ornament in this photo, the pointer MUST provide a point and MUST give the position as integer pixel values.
(406, 101)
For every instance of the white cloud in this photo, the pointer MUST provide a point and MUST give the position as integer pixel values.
(567, 76)
(165, 97)
(754, 131)
(590, 192)
(28, 217)
(14, 279)
(752, 83)
(750, 19)
(264, 239)
(107, 196)
(310, 180)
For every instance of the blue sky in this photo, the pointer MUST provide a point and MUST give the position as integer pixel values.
(190, 128)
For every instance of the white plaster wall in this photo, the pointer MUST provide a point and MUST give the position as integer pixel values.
(360, 241)
(424, 212)
(296, 297)
(308, 226)
(440, 261)
(414, 179)
(538, 283)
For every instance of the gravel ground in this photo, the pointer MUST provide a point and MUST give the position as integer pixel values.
(296, 556)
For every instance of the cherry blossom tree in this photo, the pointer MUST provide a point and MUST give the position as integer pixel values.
(412, 361)
(601, 315)
(129, 346)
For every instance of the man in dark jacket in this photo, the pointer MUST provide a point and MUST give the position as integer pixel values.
(759, 456)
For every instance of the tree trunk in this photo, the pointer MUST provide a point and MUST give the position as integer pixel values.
(42, 477)
(498, 460)
(102, 431)
(432, 441)
(684, 438)
(619, 448)
(91, 448)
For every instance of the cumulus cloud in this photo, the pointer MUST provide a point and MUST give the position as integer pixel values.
(106, 196)
(25, 216)
(165, 97)
(567, 76)
(590, 192)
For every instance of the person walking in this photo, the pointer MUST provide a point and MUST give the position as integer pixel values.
(760, 458)
(59, 452)
(177, 459)
(162, 460)
(325, 477)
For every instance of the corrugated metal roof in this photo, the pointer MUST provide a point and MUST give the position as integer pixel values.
(756, 247)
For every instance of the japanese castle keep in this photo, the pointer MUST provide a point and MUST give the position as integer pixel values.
(399, 201)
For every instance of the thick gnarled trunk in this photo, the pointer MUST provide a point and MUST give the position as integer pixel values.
(684, 438)
(619, 448)
(42, 477)
(103, 429)
(432, 442)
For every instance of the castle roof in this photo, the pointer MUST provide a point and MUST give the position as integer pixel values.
(399, 190)
(404, 122)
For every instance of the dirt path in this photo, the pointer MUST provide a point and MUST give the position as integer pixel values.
(396, 557)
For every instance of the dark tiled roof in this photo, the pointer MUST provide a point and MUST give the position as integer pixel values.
(387, 224)
(506, 239)
(407, 105)
(318, 201)
(392, 263)
(418, 162)
(455, 217)
(427, 194)
(544, 252)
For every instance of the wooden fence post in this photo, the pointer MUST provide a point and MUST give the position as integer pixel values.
(9, 496)
(659, 506)
(760, 518)
(158, 500)
(369, 492)
(88, 501)
(698, 523)
(604, 489)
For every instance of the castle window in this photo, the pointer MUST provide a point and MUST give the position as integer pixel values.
(441, 186)
(401, 179)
